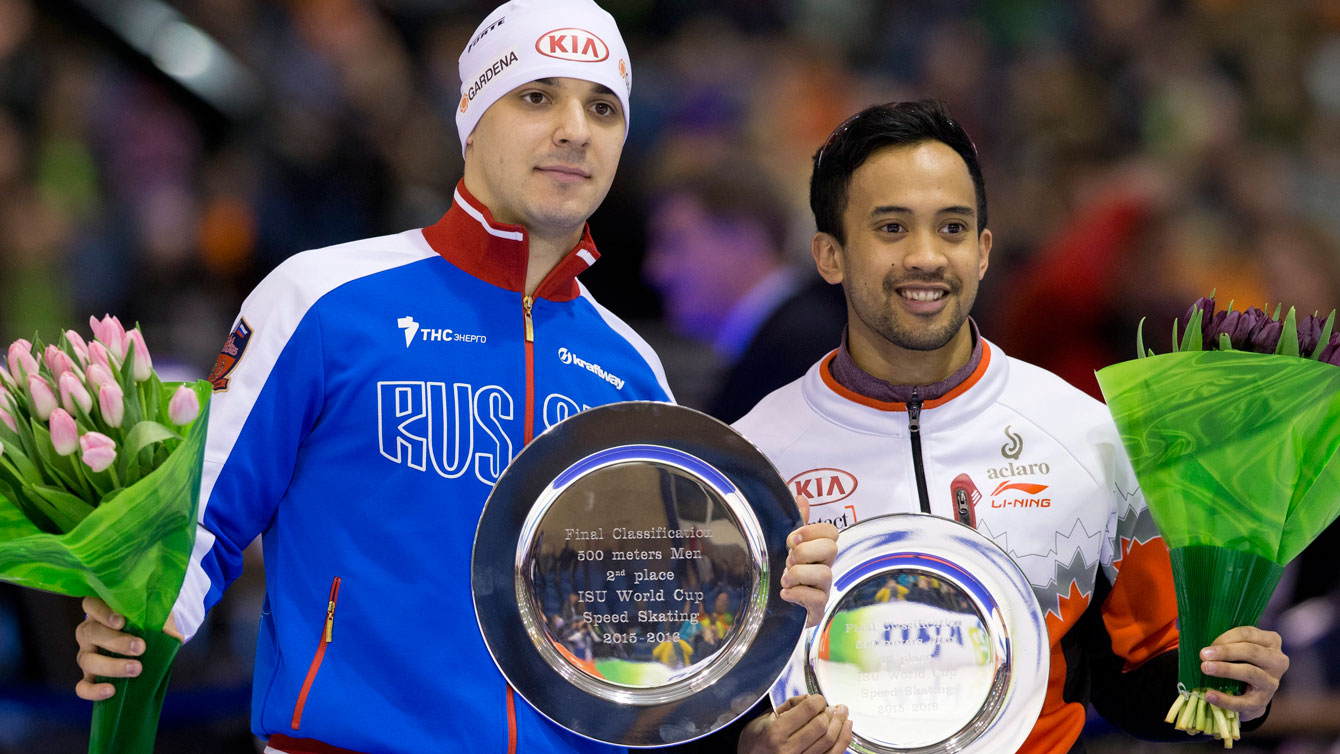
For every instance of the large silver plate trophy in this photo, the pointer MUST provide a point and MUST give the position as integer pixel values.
(932, 637)
(626, 574)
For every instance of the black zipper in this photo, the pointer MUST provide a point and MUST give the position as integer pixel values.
(914, 425)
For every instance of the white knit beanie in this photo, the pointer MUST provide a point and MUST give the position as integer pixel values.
(525, 40)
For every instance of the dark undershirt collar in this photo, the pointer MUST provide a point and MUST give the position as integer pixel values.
(857, 380)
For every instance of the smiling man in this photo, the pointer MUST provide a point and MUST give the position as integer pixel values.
(372, 393)
(920, 414)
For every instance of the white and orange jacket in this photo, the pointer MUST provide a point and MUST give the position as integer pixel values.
(1032, 463)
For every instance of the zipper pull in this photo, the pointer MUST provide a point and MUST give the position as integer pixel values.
(526, 303)
(330, 610)
(914, 412)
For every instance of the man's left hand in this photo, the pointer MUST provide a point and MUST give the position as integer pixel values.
(809, 567)
(1250, 655)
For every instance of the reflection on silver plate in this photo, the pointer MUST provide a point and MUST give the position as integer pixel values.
(932, 637)
(626, 574)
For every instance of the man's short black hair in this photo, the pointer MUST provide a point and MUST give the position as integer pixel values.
(876, 127)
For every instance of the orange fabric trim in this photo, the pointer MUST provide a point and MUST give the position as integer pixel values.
(1060, 723)
(895, 406)
(511, 721)
(1141, 611)
(1071, 607)
(320, 655)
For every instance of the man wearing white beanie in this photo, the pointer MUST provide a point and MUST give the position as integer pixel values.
(371, 393)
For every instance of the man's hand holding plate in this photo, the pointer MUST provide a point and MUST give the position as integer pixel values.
(801, 725)
(809, 567)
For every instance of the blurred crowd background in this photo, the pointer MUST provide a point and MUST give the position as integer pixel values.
(157, 160)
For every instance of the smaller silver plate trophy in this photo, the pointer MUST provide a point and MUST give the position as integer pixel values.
(932, 637)
(626, 574)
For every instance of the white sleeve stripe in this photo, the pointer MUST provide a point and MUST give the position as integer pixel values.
(274, 310)
(189, 611)
(478, 216)
(629, 334)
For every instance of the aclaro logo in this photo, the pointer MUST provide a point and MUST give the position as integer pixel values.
(1015, 447)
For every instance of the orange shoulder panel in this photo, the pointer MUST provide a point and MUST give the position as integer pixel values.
(1141, 611)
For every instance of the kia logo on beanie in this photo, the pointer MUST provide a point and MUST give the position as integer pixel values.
(525, 40)
(577, 45)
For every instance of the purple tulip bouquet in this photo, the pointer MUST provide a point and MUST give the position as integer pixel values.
(100, 466)
(1235, 438)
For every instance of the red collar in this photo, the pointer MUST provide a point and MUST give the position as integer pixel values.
(469, 238)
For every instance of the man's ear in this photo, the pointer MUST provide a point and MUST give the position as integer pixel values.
(828, 260)
(983, 253)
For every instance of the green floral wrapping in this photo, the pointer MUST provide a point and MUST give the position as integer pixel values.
(1233, 449)
(132, 551)
(1238, 455)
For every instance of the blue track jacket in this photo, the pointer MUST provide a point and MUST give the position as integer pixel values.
(367, 399)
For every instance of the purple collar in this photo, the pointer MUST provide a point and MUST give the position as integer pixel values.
(857, 380)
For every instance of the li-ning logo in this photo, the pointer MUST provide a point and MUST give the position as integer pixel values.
(577, 45)
(568, 357)
(1028, 500)
(1015, 447)
(431, 335)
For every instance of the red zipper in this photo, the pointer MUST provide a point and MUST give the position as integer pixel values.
(327, 636)
(526, 303)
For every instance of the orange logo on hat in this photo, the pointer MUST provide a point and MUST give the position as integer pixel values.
(465, 102)
(623, 68)
(577, 45)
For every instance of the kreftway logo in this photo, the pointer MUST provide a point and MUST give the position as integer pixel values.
(577, 45)
(1015, 447)
(568, 357)
(1029, 498)
(823, 486)
(429, 334)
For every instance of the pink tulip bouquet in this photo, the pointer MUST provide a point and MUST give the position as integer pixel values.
(1235, 438)
(100, 465)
